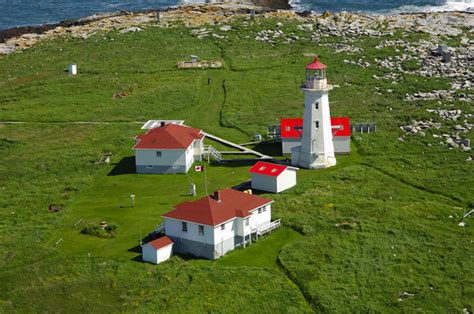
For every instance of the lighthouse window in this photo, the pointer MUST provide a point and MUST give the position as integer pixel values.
(316, 105)
(316, 124)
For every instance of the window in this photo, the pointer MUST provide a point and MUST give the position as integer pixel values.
(316, 124)
(223, 227)
(158, 154)
(184, 226)
(149, 166)
(201, 230)
(287, 128)
(264, 209)
(262, 168)
(274, 170)
(246, 221)
(316, 105)
(259, 210)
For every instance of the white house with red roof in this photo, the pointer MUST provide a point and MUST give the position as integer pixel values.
(169, 148)
(158, 250)
(291, 130)
(272, 178)
(214, 225)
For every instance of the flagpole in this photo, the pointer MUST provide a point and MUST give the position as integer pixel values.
(205, 179)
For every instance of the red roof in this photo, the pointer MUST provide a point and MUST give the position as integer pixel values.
(170, 136)
(267, 169)
(160, 242)
(316, 65)
(209, 211)
(288, 126)
(344, 126)
(293, 127)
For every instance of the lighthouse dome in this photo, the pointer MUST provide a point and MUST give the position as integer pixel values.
(316, 65)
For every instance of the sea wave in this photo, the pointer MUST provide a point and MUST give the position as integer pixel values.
(382, 6)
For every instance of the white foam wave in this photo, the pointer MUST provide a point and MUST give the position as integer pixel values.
(467, 6)
(460, 5)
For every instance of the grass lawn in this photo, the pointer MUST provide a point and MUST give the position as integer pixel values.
(108, 199)
(263, 253)
(377, 233)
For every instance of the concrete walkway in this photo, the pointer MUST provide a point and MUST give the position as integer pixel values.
(239, 147)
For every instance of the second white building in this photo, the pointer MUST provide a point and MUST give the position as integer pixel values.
(169, 148)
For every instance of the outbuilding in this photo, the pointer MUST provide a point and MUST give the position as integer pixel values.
(341, 135)
(169, 148)
(158, 250)
(272, 178)
(291, 130)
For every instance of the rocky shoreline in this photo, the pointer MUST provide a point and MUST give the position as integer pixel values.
(339, 24)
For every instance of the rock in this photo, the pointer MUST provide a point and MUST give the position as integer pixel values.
(7, 49)
(225, 28)
(446, 57)
(132, 29)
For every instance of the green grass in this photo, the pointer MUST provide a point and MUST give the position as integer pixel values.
(263, 253)
(355, 236)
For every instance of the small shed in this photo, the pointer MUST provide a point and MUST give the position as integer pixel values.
(272, 178)
(341, 132)
(158, 250)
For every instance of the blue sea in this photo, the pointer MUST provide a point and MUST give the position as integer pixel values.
(36, 12)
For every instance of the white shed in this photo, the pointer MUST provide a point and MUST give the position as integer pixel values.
(272, 177)
(158, 250)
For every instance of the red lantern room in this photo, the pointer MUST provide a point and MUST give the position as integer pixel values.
(316, 75)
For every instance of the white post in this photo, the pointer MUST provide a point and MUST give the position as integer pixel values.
(72, 69)
(132, 197)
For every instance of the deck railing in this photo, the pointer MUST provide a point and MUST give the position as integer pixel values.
(212, 152)
(261, 230)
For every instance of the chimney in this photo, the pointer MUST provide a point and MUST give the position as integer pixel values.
(217, 196)
(162, 123)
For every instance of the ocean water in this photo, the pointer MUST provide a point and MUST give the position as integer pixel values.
(383, 6)
(36, 12)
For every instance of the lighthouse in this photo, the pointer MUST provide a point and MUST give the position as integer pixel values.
(317, 148)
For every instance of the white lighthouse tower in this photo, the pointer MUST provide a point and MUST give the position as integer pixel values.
(317, 148)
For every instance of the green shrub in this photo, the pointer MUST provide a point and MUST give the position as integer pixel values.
(110, 231)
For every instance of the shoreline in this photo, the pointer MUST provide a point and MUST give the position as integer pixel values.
(198, 15)
(262, 5)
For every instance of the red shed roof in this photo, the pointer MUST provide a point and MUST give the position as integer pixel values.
(267, 169)
(344, 126)
(316, 65)
(170, 136)
(160, 242)
(210, 211)
(293, 127)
